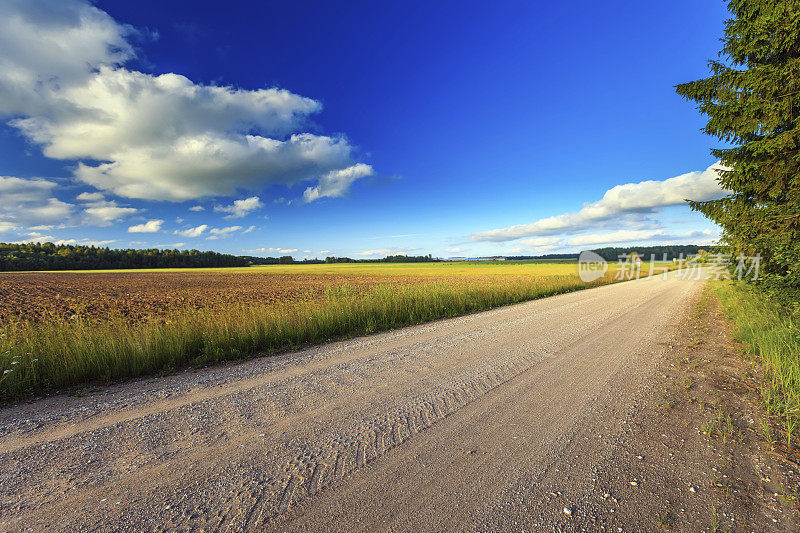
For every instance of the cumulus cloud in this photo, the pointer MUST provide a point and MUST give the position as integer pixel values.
(336, 182)
(272, 250)
(84, 242)
(240, 208)
(65, 87)
(627, 202)
(105, 215)
(536, 245)
(388, 251)
(151, 226)
(97, 211)
(192, 232)
(541, 241)
(197, 208)
(90, 197)
(378, 251)
(634, 235)
(217, 233)
(34, 237)
(30, 202)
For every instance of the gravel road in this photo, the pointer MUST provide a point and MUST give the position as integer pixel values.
(433, 427)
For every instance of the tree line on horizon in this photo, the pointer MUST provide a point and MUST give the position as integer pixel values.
(612, 254)
(50, 256)
(659, 253)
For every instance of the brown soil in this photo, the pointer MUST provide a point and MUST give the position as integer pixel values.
(138, 297)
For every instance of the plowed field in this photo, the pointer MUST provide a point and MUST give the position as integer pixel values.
(141, 297)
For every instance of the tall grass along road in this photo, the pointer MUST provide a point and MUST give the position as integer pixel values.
(424, 428)
(769, 331)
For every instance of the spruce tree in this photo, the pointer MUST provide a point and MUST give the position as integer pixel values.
(752, 99)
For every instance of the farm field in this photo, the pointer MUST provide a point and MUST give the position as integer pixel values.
(60, 329)
(141, 296)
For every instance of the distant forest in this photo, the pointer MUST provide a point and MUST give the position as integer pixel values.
(49, 256)
(613, 254)
(672, 252)
(289, 260)
(550, 257)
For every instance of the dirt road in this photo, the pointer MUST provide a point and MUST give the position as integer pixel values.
(499, 420)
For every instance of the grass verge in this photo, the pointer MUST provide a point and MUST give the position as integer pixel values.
(769, 330)
(37, 358)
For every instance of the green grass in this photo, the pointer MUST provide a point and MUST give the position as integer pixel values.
(37, 358)
(769, 331)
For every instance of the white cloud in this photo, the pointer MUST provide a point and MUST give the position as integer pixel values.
(633, 235)
(455, 250)
(249, 229)
(240, 208)
(27, 202)
(217, 233)
(197, 208)
(34, 237)
(632, 200)
(192, 232)
(224, 231)
(541, 241)
(379, 251)
(387, 251)
(104, 215)
(336, 182)
(90, 197)
(97, 211)
(175, 245)
(324, 252)
(272, 250)
(64, 84)
(151, 226)
(84, 242)
(536, 246)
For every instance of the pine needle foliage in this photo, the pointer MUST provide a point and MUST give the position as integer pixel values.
(752, 99)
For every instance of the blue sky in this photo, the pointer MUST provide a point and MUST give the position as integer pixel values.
(311, 128)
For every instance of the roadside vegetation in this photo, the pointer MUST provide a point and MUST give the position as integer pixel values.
(769, 329)
(752, 100)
